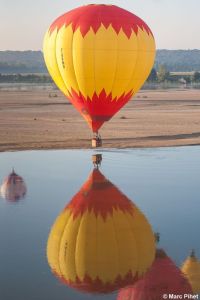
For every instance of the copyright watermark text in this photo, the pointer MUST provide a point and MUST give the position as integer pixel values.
(176, 296)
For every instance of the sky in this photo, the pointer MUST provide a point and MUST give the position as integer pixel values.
(175, 23)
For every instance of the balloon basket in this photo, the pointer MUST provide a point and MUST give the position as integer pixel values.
(97, 159)
(96, 142)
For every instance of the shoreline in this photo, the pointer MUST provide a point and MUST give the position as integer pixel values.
(38, 120)
(97, 149)
(17, 148)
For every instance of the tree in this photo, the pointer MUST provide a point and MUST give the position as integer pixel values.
(162, 73)
(196, 77)
(152, 76)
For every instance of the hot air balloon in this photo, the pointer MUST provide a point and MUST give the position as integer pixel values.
(191, 269)
(164, 277)
(101, 241)
(13, 187)
(99, 56)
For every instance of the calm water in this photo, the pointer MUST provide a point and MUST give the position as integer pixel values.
(163, 183)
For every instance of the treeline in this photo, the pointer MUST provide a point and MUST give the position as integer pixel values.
(33, 62)
(163, 75)
(160, 76)
(17, 67)
(27, 78)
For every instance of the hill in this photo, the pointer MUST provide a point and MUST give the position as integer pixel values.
(179, 60)
(22, 62)
(32, 61)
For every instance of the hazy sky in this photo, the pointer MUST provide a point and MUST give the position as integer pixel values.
(175, 23)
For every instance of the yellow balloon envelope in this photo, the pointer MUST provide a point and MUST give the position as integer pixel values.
(99, 56)
(191, 269)
(101, 241)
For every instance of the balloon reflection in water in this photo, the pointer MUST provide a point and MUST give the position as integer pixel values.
(101, 241)
(191, 268)
(164, 277)
(13, 187)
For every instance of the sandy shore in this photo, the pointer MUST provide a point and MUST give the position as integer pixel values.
(30, 119)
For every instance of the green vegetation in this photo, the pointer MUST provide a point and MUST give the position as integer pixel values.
(153, 76)
(164, 76)
(196, 77)
(27, 78)
(160, 76)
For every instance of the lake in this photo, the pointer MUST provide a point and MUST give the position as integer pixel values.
(164, 184)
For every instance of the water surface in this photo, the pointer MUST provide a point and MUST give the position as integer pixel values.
(163, 183)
